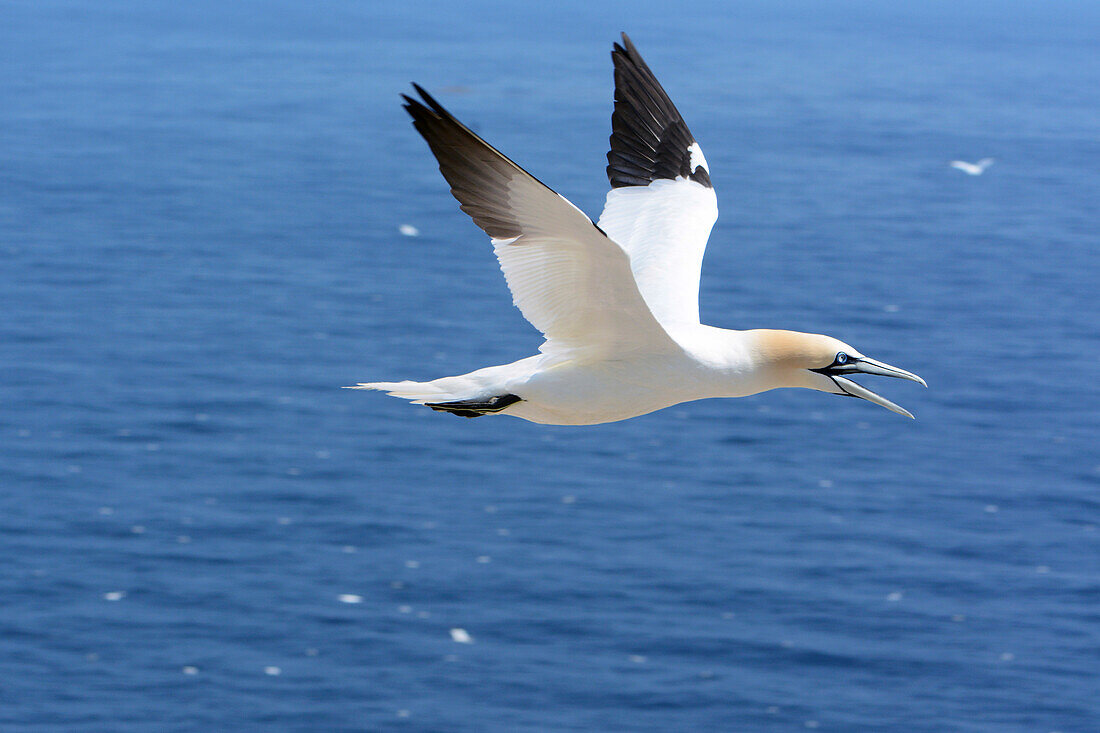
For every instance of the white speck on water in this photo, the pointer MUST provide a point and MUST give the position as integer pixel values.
(895, 596)
(484, 559)
(569, 499)
(74, 469)
(490, 509)
(825, 483)
(958, 618)
(397, 585)
(137, 529)
(284, 520)
(706, 674)
(152, 447)
(114, 595)
(771, 709)
(294, 472)
(430, 525)
(504, 532)
(201, 417)
(404, 609)
(349, 598)
(408, 230)
(637, 658)
(1007, 656)
(106, 511)
(323, 454)
(311, 652)
(891, 308)
(403, 713)
(450, 658)
(423, 614)
(92, 657)
(272, 671)
(811, 724)
(728, 614)
(349, 549)
(991, 509)
(1042, 569)
(190, 670)
(787, 644)
(183, 539)
(461, 636)
(412, 564)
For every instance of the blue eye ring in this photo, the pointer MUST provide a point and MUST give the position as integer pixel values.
(842, 358)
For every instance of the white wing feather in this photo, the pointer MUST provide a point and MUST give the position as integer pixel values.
(567, 278)
(664, 227)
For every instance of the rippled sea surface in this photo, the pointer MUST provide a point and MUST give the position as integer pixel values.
(199, 244)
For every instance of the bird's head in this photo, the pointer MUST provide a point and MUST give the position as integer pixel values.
(821, 362)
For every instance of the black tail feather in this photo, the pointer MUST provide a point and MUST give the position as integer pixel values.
(475, 408)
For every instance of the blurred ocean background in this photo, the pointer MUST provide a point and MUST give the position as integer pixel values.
(200, 207)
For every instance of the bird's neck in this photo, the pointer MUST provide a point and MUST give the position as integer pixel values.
(741, 363)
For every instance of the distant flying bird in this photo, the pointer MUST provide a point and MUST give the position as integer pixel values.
(974, 169)
(617, 301)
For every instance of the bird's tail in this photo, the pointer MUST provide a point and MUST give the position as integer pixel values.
(482, 392)
(419, 393)
(445, 395)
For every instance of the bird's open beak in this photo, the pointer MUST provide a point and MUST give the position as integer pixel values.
(866, 365)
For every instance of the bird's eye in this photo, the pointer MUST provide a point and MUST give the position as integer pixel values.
(842, 358)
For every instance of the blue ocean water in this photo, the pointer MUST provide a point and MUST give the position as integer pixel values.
(199, 213)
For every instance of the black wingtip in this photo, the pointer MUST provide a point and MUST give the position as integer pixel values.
(649, 139)
(430, 101)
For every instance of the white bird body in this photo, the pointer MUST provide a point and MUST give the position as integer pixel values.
(973, 169)
(561, 389)
(617, 301)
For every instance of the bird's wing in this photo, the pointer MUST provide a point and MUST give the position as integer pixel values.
(661, 206)
(567, 278)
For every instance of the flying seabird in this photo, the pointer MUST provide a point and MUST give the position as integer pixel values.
(974, 169)
(617, 301)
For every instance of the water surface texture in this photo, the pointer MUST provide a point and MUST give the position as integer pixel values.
(200, 212)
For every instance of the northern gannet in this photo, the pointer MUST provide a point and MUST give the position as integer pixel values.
(974, 169)
(617, 301)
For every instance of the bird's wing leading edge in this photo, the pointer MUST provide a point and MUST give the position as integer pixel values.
(661, 206)
(567, 278)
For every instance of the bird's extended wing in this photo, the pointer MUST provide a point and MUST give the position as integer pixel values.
(661, 206)
(567, 278)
